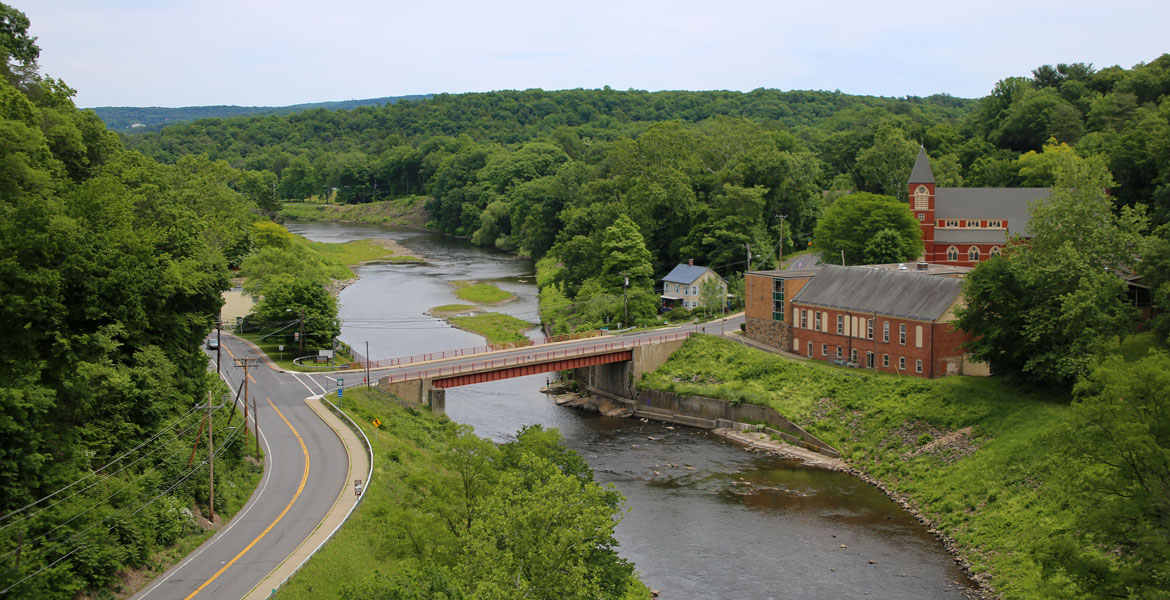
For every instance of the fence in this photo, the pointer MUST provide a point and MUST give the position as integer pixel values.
(506, 361)
(360, 360)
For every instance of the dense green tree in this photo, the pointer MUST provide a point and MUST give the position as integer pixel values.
(1118, 485)
(850, 223)
(287, 298)
(884, 247)
(624, 254)
(885, 166)
(1046, 309)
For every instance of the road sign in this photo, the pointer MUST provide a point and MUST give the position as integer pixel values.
(340, 381)
(377, 423)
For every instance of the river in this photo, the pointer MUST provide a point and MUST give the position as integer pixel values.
(722, 522)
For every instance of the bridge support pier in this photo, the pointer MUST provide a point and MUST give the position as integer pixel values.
(437, 399)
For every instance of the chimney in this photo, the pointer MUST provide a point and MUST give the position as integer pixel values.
(922, 266)
(691, 262)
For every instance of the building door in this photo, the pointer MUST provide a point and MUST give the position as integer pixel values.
(869, 360)
(810, 349)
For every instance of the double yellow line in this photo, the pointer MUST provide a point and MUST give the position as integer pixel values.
(301, 488)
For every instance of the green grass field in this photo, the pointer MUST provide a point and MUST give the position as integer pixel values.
(360, 251)
(480, 293)
(989, 482)
(497, 328)
(452, 308)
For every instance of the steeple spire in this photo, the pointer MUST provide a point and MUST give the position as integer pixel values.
(921, 172)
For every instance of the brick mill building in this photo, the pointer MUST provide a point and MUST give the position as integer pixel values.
(964, 226)
(888, 318)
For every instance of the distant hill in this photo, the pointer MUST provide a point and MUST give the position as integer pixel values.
(140, 119)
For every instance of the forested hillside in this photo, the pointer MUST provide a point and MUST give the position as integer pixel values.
(111, 267)
(703, 175)
(154, 118)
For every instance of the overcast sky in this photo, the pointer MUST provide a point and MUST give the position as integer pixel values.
(276, 53)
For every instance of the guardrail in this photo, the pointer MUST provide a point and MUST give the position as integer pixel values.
(535, 357)
(460, 352)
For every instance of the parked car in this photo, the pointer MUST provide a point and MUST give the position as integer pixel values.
(212, 343)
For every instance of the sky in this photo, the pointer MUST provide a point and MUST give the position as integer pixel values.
(268, 53)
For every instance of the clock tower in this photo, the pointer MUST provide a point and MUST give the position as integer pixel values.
(922, 202)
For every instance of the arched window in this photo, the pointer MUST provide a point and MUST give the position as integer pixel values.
(922, 198)
(952, 254)
(995, 250)
(973, 254)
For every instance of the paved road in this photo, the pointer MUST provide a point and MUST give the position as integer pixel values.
(804, 261)
(306, 470)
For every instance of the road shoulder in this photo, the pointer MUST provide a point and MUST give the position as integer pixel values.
(359, 467)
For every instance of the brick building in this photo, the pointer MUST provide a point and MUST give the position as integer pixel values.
(964, 226)
(882, 318)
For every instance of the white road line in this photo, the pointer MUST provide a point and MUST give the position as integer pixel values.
(236, 519)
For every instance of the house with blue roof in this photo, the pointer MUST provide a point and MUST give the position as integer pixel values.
(681, 287)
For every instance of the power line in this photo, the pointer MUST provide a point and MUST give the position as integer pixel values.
(95, 472)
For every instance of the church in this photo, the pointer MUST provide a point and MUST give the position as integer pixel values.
(964, 226)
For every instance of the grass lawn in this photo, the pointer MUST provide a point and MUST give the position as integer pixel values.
(986, 482)
(480, 293)
(497, 328)
(402, 212)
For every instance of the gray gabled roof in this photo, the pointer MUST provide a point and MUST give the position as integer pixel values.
(921, 172)
(893, 293)
(686, 274)
(988, 203)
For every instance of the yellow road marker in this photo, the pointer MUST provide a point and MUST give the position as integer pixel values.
(304, 479)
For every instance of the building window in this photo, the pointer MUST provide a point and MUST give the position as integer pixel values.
(995, 250)
(840, 325)
(803, 319)
(918, 335)
(918, 365)
(886, 360)
(901, 363)
(952, 254)
(902, 334)
(921, 198)
(869, 360)
(824, 349)
(952, 223)
(972, 223)
(838, 352)
(995, 224)
(817, 320)
(886, 332)
(973, 253)
(869, 330)
(853, 355)
(810, 346)
(921, 216)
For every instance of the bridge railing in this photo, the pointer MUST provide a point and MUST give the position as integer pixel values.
(535, 357)
(460, 352)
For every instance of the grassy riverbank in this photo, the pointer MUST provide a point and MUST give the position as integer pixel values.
(403, 212)
(480, 293)
(495, 327)
(449, 515)
(358, 252)
(971, 454)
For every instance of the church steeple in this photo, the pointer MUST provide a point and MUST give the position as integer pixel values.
(921, 172)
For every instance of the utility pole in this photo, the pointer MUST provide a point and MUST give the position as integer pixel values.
(780, 253)
(302, 336)
(210, 461)
(626, 299)
(367, 363)
(245, 363)
(218, 342)
(255, 424)
(749, 257)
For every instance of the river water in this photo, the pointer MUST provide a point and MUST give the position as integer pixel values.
(704, 518)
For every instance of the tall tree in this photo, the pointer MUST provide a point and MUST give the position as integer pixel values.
(1045, 310)
(850, 223)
